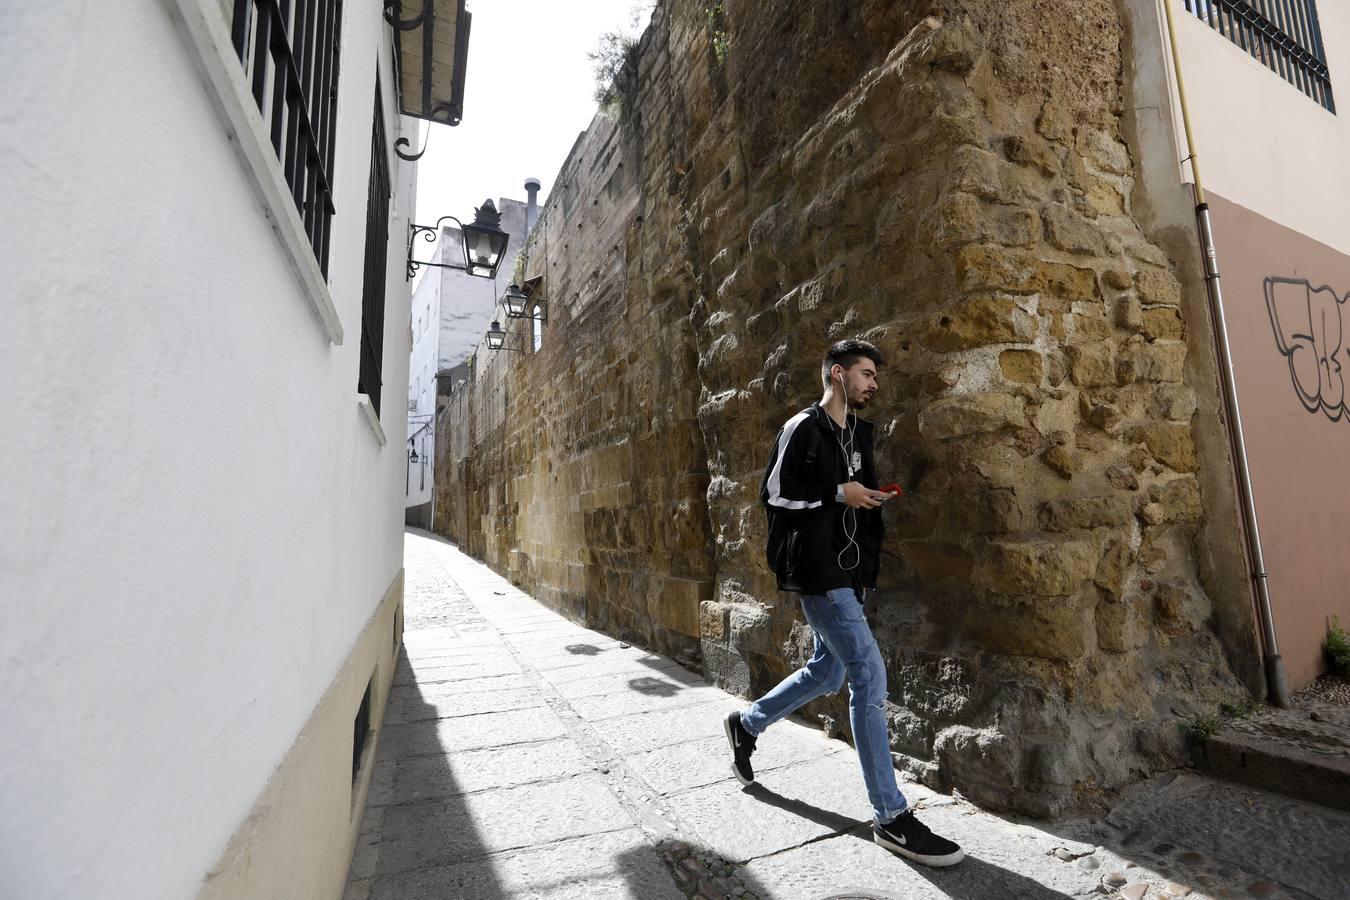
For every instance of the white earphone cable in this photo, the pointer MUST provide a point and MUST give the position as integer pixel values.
(850, 516)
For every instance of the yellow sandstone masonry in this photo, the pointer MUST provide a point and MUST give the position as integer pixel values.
(958, 188)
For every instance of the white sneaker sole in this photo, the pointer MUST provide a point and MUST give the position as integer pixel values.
(731, 742)
(937, 862)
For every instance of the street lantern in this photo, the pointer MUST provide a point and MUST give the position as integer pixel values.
(496, 337)
(484, 241)
(515, 302)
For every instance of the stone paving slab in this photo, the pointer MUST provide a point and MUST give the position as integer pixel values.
(614, 866)
(472, 826)
(554, 798)
(440, 736)
(429, 674)
(785, 808)
(647, 731)
(575, 686)
(414, 779)
(427, 657)
(567, 666)
(644, 693)
(693, 764)
(414, 707)
(432, 690)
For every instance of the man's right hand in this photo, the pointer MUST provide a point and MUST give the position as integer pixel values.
(859, 496)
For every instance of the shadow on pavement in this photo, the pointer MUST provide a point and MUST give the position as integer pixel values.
(831, 820)
(654, 687)
(975, 879)
(418, 839)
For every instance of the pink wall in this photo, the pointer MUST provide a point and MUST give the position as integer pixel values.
(1287, 302)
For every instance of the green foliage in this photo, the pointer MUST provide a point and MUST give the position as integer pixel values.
(1338, 649)
(717, 27)
(1243, 707)
(614, 60)
(1201, 727)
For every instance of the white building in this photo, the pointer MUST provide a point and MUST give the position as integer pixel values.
(204, 341)
(451, 310)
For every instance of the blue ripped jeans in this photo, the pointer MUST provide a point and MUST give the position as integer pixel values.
(845, 648)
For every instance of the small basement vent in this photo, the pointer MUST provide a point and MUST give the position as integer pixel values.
(361, 729)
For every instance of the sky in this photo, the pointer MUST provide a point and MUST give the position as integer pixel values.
(529, 91)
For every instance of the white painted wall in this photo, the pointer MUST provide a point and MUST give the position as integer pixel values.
(1262, 143)
(189, 549)
(426, 310)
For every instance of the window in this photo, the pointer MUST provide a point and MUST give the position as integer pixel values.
(361, 728)
(289, 50)
(376, 271)
(1282, 34)
(537, 330)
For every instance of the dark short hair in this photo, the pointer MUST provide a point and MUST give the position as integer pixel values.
(847, 353)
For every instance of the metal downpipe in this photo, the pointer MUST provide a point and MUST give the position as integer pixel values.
(1277, 684)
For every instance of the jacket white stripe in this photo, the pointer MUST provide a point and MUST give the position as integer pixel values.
(775, 484)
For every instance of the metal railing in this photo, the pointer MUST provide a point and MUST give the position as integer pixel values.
(289, 50)
(1283, 35)
(377, 257)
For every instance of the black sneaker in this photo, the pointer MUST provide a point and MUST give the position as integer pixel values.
(911, 838)
(742, 745)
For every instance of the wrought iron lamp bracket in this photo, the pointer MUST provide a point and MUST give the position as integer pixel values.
(393, 10)
(430, 234)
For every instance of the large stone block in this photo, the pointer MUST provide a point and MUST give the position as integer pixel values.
(1158, 286)
(1024, 366)
(967, 414)
(1164, 361)
(983, 267)
(1037, 567)
(977, 322)
(939, 562)
(1070, 231)
(1092, 365)
(1121, 626)
(678, 606)
(1055, 629)
(1086, 512)
(1171, 445)
(1180, 499)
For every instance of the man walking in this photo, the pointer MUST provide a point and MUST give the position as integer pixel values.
(825, 534)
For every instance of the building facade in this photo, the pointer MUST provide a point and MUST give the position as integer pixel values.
(1267, 87)
(202, 556)
(451, 310)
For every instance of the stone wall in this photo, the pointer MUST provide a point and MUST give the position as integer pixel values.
(951, 181)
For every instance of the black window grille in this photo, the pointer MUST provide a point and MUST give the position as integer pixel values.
(361, 729)
(376, 270)
(1282, 34)
(289, 50)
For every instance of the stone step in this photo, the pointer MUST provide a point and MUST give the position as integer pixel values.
(1299, 753)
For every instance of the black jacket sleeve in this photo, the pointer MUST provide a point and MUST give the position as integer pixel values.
(791, 481)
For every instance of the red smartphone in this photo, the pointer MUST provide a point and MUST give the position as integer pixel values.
(891, 489)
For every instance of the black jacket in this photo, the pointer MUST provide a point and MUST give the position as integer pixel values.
(808, 547)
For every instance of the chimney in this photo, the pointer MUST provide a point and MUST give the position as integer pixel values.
(532, 204)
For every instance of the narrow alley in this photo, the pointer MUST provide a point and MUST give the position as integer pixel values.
(523, 755)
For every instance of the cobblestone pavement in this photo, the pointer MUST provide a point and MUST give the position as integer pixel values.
(525, 756)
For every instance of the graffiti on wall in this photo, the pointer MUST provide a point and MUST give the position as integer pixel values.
(1309, 332)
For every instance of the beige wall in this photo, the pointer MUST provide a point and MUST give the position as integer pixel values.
(1284, 298)
(1261, 142)
(297, 840)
